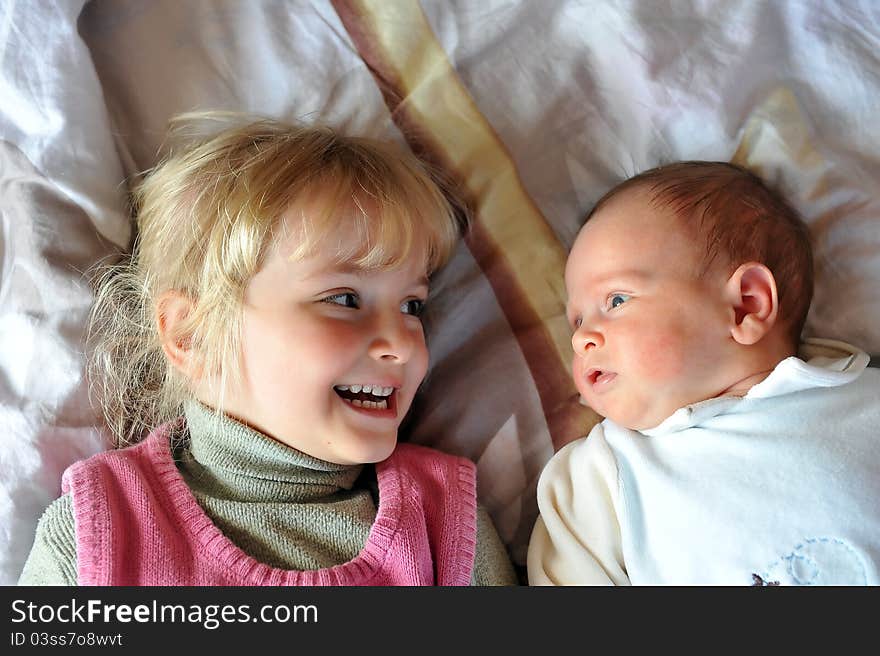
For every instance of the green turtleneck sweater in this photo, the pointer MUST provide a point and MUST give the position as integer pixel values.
(277, 504)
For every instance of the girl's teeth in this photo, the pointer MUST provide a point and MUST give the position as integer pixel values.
(375, 390)
(370, 405)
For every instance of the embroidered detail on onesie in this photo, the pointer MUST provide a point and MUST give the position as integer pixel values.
(816, 561)
(757, 580)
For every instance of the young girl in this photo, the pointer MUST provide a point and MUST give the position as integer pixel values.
(266, 335)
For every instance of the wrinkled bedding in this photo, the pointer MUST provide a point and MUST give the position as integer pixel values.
(536, 108)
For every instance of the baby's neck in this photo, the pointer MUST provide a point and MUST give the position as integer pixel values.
(756, 366)
(741, 387)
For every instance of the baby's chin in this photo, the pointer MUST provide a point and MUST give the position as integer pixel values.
(625, 415)
(639, 422)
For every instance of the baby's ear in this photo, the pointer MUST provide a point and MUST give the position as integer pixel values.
(751, 291)
(172, 310)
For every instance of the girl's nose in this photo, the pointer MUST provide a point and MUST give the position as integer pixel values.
(395, 338)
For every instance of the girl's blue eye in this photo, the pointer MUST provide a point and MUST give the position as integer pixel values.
(413, 306)
(616, 300)
(346, 299)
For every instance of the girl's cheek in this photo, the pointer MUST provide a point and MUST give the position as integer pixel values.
(420, 360)
(337, 333)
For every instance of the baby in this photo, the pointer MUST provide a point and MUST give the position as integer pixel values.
(256, 356)
(731, 453)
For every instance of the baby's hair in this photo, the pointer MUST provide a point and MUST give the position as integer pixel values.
(207, 214)
(741, 219)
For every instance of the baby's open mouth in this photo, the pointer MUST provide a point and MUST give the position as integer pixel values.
(366, 396)
(599, 376)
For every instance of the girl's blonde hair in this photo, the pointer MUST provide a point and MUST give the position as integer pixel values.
(206, 216)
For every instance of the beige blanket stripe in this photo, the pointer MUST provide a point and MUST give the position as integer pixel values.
(510, 239)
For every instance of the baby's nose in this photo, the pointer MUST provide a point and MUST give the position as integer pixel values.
(584, 340)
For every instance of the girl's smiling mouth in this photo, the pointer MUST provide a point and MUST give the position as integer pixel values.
(377, 400)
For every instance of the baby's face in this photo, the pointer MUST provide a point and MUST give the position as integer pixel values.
(331, 355)
(651, 334)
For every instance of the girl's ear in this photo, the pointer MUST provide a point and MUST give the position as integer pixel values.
(172, 309)
(751, 291)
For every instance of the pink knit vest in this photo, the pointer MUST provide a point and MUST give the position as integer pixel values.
(137, 523)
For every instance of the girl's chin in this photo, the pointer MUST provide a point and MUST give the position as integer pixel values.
(367, 449)
(380, 454)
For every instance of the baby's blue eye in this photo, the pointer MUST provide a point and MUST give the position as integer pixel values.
(616, 300)
(346, 299)
(413, 306)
